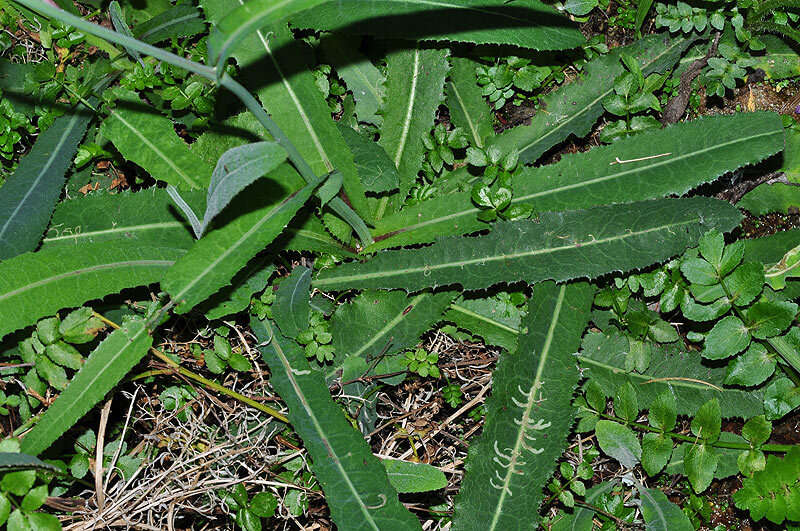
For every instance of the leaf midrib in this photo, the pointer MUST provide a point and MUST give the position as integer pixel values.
(42, 172)
(472, 127)
(495, 258)
(156, 150)
(535, 387)
(130, 228)
(391, 324)
(84, 270)
(401, 145)
(323, 438)
(550, 191)
(586, 108)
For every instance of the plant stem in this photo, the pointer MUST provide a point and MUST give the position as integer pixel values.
(224, 80)
(202, 380)
(779, 448)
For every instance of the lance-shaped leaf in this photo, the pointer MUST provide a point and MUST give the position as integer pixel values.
(468, 109)
(672, 368)
(527, 420)
(180, 21)
(35, 285)
(669, 161)
(271, 59)
(531, 24)
(10, 462)
(150, 141)
(481, 317)
(354, 481)
(574, 108)
(218, 256)
(557, 246)
(236, 297)
(363, 78)
(236, 169)
(28, 196)
(234, 26)
(378, 172)
(379, 322)
(309, 234)
(292, 303)
(147, 217)
(105, 366)
(414, 90)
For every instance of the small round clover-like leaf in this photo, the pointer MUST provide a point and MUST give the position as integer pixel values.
(770, 318)
(728, 337)
(18, 483)
(752, 367)
(619, 442)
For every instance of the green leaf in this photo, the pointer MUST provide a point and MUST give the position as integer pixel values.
(150, 141)
(232, 28)
(700, 462)
(770, 318)
(291, 307)
(378, 172)
(752, 367)
(757, 430)
(728, 337)
(773, 492)
(700, 151)
(660, 514)
(64, 355)
(771, 197)
(355, 484)
(292, 98)
(780, 60)
(780, 398)
(745, 283)
(264, 504)
(575, 107)
(120, 26)
(35, 285)
(147, 217)
(468, 110)
(236, 297)
(34, 498)
(218, 256)
(236, 169)
(385, 323)
(698, 271)
(673, 370)
(656, 451)
(18, 483)
(706, 423)
(530, 25)
(663, 412)
(555, 246)
(528, 416)
(414, 89)
(182, 20)
(362, 78)
(625, 404)
(104, 367)
(28, 196)
(10, 462)
(413, 477)
(787, 267)
(619, 442)
(482, 318)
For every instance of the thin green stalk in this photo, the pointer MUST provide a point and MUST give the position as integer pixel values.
(214, 386)
(778, 448)
(211, 73)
